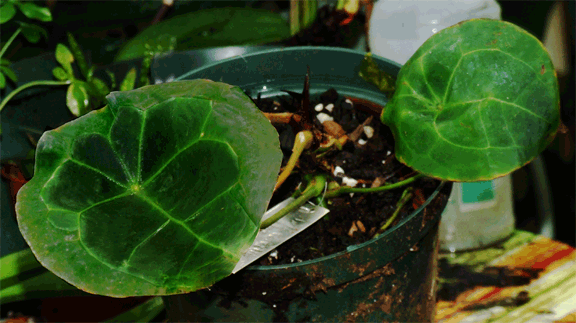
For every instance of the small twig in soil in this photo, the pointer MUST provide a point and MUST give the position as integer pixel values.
(315, 188)
(335, 130)
(406, 195)
(355, 135)
(303, 141)
(282, 117)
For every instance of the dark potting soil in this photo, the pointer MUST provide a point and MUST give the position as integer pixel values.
(353, 218)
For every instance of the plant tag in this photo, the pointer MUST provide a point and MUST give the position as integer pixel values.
(276, 234)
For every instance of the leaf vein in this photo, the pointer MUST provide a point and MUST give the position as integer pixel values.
(183, 225)
(96, 170)
(425, 76)
(127, 261)
(192, 143)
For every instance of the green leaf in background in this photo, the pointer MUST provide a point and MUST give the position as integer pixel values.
(145, 70)
(23, 277)
(16, 263)
(79, 56)
(7, 12)
(5, 62)
(208, 28)
(2, 81)
(371, 73)
(112, 79)
(129, 80)
(32, 32)
(9, 73)
(476, 101)
(39, 286)
(60, 74)
(65, 58)
(33, 11)
(77, 98)
(158, 193)
(101, 87)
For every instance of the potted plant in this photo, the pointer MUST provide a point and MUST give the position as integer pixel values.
(122, 199)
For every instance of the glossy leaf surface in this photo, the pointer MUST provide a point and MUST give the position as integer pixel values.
(160, 192)
(476, 101)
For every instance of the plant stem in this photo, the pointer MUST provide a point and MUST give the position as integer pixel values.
(346, 189)
(315, 188)
(27, 85)
(310, 8)
(303, 141)
(406, 195)
(7, 44)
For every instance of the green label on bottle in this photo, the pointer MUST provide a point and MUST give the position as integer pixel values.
(477, 192)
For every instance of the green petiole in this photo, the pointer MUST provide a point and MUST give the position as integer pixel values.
(345, 189)
(315, 188)
(27, 85)
(7, 44)
(406, 195)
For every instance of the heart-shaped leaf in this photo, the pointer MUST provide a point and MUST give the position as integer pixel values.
(476, 101)
(160, 192)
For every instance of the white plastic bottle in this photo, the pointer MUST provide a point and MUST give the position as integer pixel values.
(478, 214)
(399, 27)
(481, 213)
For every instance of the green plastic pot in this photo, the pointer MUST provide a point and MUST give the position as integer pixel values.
(389, 278)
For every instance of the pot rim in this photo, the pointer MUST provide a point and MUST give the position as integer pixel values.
(352, 248)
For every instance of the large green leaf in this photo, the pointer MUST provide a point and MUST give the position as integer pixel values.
(208, 28)
(476, 101)
(160, 192)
